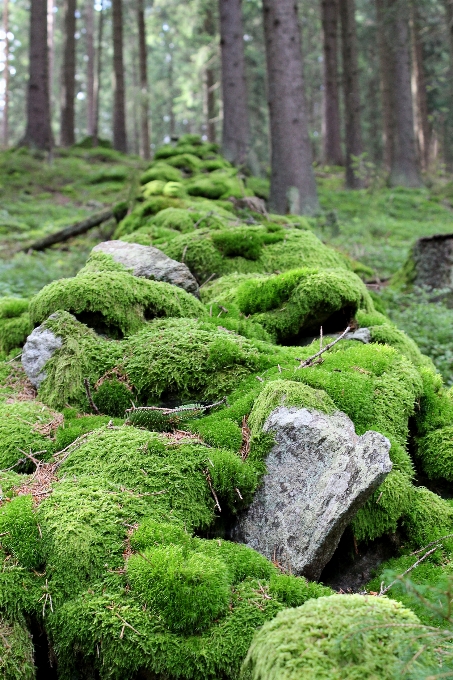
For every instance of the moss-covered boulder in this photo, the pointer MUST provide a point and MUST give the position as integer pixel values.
(16, 651)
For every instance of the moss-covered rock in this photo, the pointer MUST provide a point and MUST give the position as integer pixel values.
(342, 637)
(15, 323)
(16, 651)
(25, 429)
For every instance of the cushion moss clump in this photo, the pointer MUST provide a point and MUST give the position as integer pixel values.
(23, 430)
(428, 518)
(342, 637)
(161, 171)
(19, 534)
(16, 651)
(15, 324)
(115, 303)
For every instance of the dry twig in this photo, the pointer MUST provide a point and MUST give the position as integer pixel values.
(385, 590)
(93, 406)
(310, 361)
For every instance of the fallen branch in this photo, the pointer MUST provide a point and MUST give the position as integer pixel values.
(214, 495)
(93, 406)
(71, 231)
(383, 590)
(310, 360)
(245, 446)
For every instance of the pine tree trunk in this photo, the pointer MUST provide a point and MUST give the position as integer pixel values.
(421, 101)
(119, 108)
(385, 68)
(38, 133)
(448, 144)
(235, 127)
(331, 112)
(353, 136)
(144, 96)
(293, 186)
(89, 26)
(404, 170)
(6, 76)
(211, 104)
(97, 78)
(68, 76)
(51, 49)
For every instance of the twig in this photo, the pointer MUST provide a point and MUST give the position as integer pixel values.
(207, 281)
(90, 398)
(309, 361)
(14, 358)
(238, 493)
(205, 217)
(383, 590)
(209, 480)
(432, 543)
(245, 447)
(184, 253)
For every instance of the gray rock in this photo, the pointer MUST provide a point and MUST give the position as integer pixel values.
(361, 334)
(319, 472)
(430, 263)
(150, 263)
(38, 349)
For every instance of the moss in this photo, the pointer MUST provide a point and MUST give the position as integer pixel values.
(246, 242)
(186, 161)
(435, 451)
(16, 651)
(259, 186)
(149, 208)
(174, 218)
(338, 637)
(154, 188)
(390, 335)
(116, 303)
(113, 397)
(161, 171)
(294, 592)
(286, 393)
(19, 535)
(220, 185)
(15, 323)
(428, 517)
(21, 424)
(76, 425)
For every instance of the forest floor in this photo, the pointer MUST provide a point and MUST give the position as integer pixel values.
(376, 226)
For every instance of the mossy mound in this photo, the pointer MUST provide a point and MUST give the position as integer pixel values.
(15, 323)
(16, 652)
(114, 303)
(25, 429)
(342, 637)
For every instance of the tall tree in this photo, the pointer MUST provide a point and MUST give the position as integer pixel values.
(68, 76)
(385, 69)
(89, 27)
(235, 133)
(293, 185)
(353, 135)
(422, 126)
(331, 105)
(6, 74)
(38, 132)
(448, 133)
(51, 47)
(404, 169)
(119, 107)
(97, 76)
(144, 95)
(210, 79)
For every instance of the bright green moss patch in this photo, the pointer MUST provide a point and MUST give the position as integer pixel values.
(115, 303)
(15, 323)
(19, 532)
(161, 171)
(16, 652)
(436, 453)
(342, 637)
(22, 424)
(428, 517)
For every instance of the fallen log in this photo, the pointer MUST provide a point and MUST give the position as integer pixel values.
(73, 230)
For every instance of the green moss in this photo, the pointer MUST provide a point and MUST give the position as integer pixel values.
(16, 652)
(188, 162)
(15, 323)
(20, 424)
(116, 303)
(113, 397)
(218, 184)
(435, 451)
(175, 218)
(286, 393)
(435, 408)
(161, 171)
(390, 335)
(294, 592)
(151, 533)
(342, 637)
(19, 535)
(149, 208)
(428, 517)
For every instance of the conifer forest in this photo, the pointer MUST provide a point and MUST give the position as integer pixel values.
(226, 339)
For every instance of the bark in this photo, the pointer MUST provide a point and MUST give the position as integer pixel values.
(353, 136)
(6, 76)
(448, 144)
(211, 104)
(71, 231)
(68, 76)
(38, 133)
(235, 132)
(97, 78)
(119, 109)
(404, 170)
(385, 68)
(51, 46)
(89, 26)
(293, 186)
(331, 112)
(423, 128)
(144, 95)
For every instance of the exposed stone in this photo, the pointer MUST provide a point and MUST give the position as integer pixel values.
(319, 472)
(361, 334)
(150, 263)
(433, 262)
(38, 349)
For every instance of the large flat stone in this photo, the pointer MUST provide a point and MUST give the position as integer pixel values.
(319, 473)
(150, 263)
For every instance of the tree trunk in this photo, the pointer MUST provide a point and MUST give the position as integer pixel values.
(210, 86)
(404, 170)
(423, 127)
(144, 96)
(235, 132)
(68, 76)
(331, 112)
(98, 73)
(293, 186)
(448, 145)
(119, 112)
(353, 136)
(38, 133)
(6, 75)
(385, 68)
(89, 26)
(51, 48)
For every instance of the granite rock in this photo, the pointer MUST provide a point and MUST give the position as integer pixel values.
(38, 349)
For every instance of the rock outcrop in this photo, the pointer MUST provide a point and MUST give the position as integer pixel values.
(38, 349)
(150, 263)
(319, 472)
